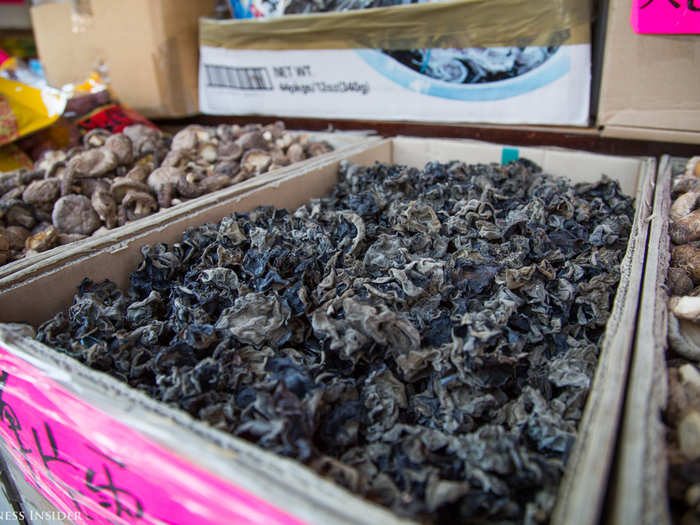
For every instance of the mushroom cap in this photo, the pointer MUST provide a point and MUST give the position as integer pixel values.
(49, 158)
(679, 282)
(230, 150)
(10, 180)
(683, 205)
(215, 182)
(103, 203)
(121, 146)
(208, 153)
(227, 167)
(93, 163)
(122, 185)
(138, 204)
(175, 158)
(17, 213)
(17, 235)
(42, 240)
(686, 229)
(96, 137)
(276, 129)
(687, 256)
(90, 186)
(138, 172)
(13, 194)
(74, 214)
(4, 247)
(41, 191)
(224, 132)
(256, 161)
(685, 307)
(295, 153)
(164, 175)
(252, 140)
(279, 157)
(319, 148)
(188, 137)
(143, 138)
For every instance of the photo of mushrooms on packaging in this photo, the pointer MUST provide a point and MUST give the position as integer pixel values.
(417, 324)
(112, 179)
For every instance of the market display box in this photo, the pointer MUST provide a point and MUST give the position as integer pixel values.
(459, 61)
(640, 488)
(149, 49)
(91, 444)
(13, 272)
(648, 82)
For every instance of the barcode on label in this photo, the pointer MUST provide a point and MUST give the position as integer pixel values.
(255, 78)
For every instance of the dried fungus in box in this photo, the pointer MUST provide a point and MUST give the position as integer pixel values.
(426, 337)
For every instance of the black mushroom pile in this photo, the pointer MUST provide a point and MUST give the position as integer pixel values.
(425, 338)
(116, 178)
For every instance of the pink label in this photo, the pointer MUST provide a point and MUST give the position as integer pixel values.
(97, 470)
(665, 16)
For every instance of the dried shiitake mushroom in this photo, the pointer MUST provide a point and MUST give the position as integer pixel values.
(256, 161)
(75, 214)
(129, 175)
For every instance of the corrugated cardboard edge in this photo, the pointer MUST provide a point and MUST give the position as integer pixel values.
(461, 23)
(639, 491)
(10, 274)
(583, 487)
(653, 134)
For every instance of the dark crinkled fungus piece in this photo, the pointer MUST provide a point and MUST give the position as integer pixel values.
(425, 338)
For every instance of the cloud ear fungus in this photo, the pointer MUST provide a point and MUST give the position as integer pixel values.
(425, 338)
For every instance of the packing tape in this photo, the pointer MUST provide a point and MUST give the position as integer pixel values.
(455, 24)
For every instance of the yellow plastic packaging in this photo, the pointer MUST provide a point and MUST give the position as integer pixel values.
(25, 109)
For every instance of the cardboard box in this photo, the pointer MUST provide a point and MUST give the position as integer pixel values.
(16, 271)
(649, 83)
(641, 472)
(149, 48)
(169, 463)
(394, 64)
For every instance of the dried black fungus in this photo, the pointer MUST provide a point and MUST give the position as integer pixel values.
(425, 338)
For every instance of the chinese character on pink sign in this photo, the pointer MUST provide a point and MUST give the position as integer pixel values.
(665, 16)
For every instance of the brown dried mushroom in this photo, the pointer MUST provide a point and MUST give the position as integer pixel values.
(136, 205)
(4, 248)
(41, 191)
(113, 178)
(105, 206)
(256, 161)
(74, 214)
(93, 163)
(163, 182)
(42, 240)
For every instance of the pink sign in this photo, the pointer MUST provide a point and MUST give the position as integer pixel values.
(665, 16)
(97, 470)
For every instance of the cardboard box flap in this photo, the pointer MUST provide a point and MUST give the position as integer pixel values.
(648, 81)
(461, 23)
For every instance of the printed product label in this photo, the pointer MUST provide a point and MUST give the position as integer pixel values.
(96, 470)
(509, 85)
